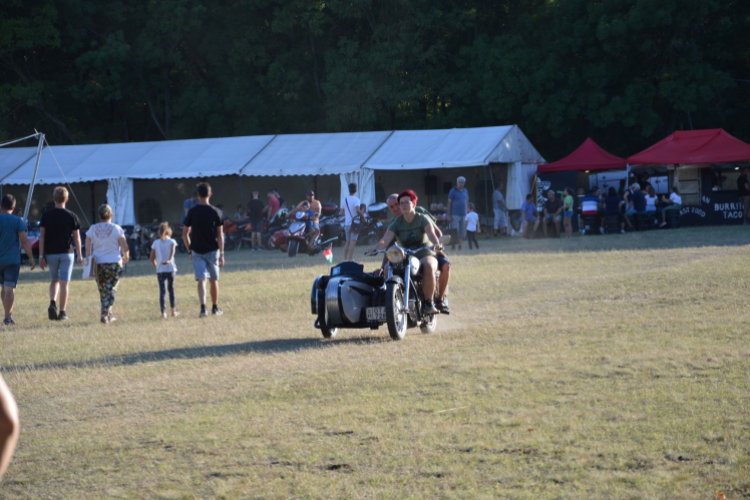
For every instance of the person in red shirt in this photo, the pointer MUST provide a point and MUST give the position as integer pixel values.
(273, 205)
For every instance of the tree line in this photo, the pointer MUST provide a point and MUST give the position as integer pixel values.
(625, 72)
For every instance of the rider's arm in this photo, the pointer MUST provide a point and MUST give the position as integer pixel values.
(387, 238)
(152, 257)
(76, 243)
(430, 231)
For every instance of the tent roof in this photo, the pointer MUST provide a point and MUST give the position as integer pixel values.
(451, 148)
(588, 156)
(315, 154)
(269, 155)
(694, 146)
(136, 160)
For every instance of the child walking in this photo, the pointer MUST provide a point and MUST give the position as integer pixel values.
(162, 257)
(472, 226)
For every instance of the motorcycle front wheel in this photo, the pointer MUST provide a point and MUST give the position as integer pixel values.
(429, 325)
(293, 247)
(395, 314)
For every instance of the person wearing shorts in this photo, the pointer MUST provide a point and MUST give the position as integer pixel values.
(350, 211)
(12, 232)
(255, 213)
(205, 242)
(60, 233)
(458, 207)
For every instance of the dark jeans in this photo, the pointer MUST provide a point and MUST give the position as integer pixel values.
(471, 236)
(166, 282)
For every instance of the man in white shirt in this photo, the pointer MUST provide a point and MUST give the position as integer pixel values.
(353, 213)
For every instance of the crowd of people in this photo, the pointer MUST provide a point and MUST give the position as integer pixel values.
(559, 209)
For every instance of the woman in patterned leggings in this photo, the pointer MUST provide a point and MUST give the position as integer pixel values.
(105, 242)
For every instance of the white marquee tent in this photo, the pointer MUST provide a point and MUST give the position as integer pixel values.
(352, 156)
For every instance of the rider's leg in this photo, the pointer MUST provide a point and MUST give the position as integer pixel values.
(429, 266)
(445, 277)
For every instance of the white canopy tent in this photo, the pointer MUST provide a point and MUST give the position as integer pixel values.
(352, 156)
(341, 154)
(469, 147)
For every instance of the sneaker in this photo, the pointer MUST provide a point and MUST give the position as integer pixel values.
(662, 224)
(62, 316)
(52, 312)
(429, 307)
(164, 315)
(203, 313)
(442, 307)
(216, 311)
(622, 231)
(175, 313)
(104, 319)
(601, 230)
(9, 321)
(583, 232)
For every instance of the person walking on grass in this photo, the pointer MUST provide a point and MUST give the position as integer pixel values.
(9, 426)
(352, 214)
(472, 226)
(60, 234)
(255, 213)
(12, 232)
(162, 257)
(458, 207)
(106, 243)
(205, 244)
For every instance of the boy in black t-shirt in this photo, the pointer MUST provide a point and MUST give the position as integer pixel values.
(204, 238)
(60, 234)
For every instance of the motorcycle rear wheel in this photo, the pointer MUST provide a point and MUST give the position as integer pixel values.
(293, 247)
(395, 316)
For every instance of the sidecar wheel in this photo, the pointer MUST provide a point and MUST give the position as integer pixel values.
(328, 333)
(430, 325)
(395, 316)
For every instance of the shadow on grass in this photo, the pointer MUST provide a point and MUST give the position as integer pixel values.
(274, 346)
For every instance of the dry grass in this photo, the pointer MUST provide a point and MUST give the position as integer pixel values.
(604, 367)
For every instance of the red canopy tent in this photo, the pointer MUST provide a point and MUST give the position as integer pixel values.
(694, 146)
(588, 156)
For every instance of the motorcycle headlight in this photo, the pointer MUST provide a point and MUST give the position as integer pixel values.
(395, 254)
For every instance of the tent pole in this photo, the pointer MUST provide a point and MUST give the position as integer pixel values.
(242, 193)
(33, 178)
(486, 202)
(627, 176)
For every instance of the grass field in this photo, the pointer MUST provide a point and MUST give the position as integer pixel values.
(597, 367)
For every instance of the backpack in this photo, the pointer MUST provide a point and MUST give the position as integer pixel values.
(356, 220)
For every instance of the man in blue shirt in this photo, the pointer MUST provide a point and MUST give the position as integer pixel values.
(528, 217)
(458, 207)
(12, 236)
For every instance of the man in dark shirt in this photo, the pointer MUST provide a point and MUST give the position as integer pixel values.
(60, 233)
(204, 238)
(552, 213)
(255, 214)
(743, 191)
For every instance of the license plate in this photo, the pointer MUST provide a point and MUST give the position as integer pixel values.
(376, 314)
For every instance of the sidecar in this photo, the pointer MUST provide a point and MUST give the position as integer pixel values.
(347, 298)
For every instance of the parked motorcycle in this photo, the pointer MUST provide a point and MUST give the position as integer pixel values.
(296, 241)
(372, 227)
(274, 234)
(237, 232)
(351, 298)
(141, 239)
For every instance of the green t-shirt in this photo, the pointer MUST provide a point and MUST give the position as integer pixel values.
(568, 203)
(412, 235)
(426, 213)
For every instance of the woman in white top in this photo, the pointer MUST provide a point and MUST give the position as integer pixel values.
(673, 203)
(651, 199)
(104, 242)
(162, 257)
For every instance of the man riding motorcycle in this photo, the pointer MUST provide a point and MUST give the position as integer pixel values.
(313, 226)
(444, 265)
(414, 230)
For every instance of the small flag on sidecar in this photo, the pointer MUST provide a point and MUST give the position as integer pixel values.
(328, 254)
